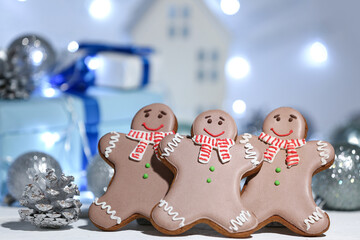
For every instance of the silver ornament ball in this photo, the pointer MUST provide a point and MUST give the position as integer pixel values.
(348, 134)
(99, 174)
(25, 167)
(339, 186)
(31, 56)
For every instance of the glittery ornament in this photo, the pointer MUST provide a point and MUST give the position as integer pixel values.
(339, 186)
(30, 56)
(349, 134)
(13, 86)
(50, 200)
(99, 174)
(25, 167)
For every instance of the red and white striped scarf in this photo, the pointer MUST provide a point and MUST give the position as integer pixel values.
(292, 157)
(208, 143)
(145, 138)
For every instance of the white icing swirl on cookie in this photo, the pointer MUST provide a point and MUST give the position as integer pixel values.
(113, 139)
(172, 145)
(323, 152)
(251, 154)
(246, 137)
(248, 147)
(239, 220)
(169, 210)
(316, 216)
(112, 213)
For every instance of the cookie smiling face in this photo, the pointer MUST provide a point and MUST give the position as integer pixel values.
(155, 117)
(285, 123)
(216, 124)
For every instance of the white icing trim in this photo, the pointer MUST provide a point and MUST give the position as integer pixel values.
(246, 137)
(239, 220)
(324, 153)
(171, 145)
(251, 154)
(169, 210)
(113, 140)
(316, 216)
(108, 210)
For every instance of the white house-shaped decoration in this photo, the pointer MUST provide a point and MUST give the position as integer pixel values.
(191, 48)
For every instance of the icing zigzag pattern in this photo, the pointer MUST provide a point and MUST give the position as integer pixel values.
(239, 220)
(324, 153)
(246, 137)
(108, 210)
(248, 147)
(169, 210)
(314, 217)
(171, 145)
(251, 154)
(113, 139)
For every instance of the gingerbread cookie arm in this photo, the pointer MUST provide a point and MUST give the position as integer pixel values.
(168, 145)
(254, 141)
(107, 145)
(252, 151)
(324, 154)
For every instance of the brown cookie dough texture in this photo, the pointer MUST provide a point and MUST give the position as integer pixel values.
(281, 190)
(207, 190)
(140, 179)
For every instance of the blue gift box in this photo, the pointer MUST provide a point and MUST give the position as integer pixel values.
(68, 126)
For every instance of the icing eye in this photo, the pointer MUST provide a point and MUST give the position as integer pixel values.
(209, 121)
(220, 122)
(278, 119)
(147, 115)
(290, 119)
(160, 116)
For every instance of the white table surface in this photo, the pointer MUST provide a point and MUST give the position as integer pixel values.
(344, 225)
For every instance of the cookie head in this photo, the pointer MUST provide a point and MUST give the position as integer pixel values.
(156, 117)
(285, 123)
(216, 124)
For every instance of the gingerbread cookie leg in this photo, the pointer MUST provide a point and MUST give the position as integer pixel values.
(107, 217)
(166, 214)
(102, 212)
(310, 220)
(242, 220)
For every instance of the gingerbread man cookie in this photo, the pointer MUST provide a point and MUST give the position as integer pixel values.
(208, 167)
(281, 190)
(140, 179)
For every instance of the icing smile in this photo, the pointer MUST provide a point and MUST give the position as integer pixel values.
(152, 129)
(281, 135)
(213, 135)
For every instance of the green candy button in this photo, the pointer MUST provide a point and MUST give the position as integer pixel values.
(212, 168)
(145, 176)
(278, 170)
(208, 180)
(277, 183)
(147, 165)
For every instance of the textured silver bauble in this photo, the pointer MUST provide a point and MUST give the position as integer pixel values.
(339, 186)
(31, 56)
(25, 167)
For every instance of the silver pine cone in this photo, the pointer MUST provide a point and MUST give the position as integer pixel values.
(50, 200)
